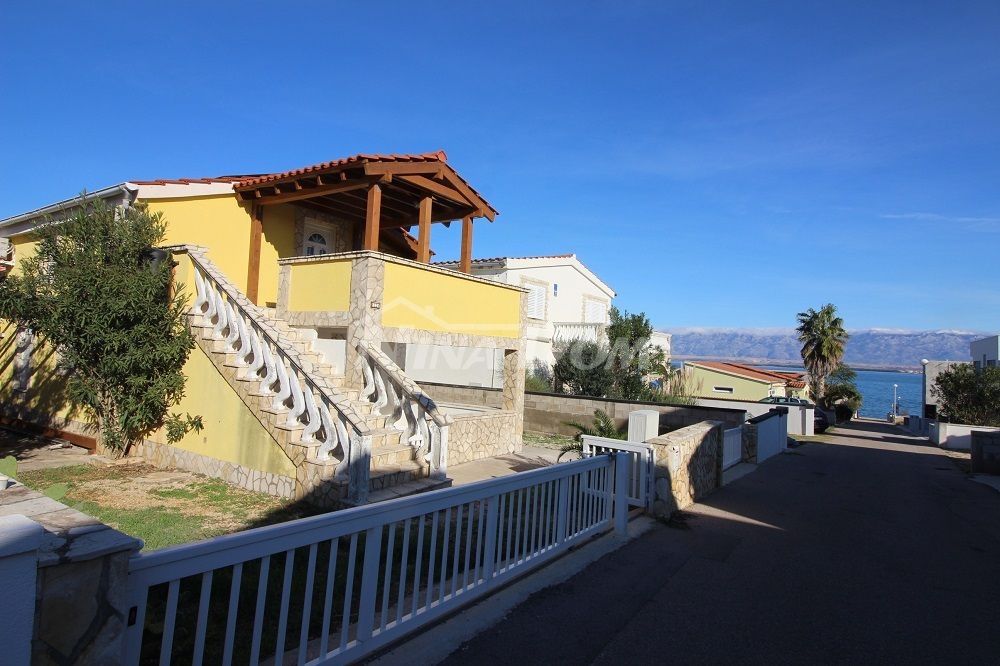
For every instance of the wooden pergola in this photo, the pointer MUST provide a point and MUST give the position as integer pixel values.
(380, 191)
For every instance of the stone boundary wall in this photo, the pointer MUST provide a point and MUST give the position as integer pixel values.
(80, 605)
(688, 466)
(465, 395)
(165, 455)
(548, 412)
(477, 437)
(986, 451)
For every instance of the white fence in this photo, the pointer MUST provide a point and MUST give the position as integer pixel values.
(641, 461)
(732, 447)
(336, 587)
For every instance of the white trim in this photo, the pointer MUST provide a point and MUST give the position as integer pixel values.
(181, 190)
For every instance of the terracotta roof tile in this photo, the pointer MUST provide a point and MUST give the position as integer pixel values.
(438, 156)
(192, 181)
(791, 378)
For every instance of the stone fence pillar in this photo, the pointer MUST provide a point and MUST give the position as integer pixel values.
(20, 538)
(78, 576)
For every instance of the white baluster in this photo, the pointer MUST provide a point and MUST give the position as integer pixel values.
(258, 355)
(313, 413)
(244, 340)
(298, 400)
(366, 370)
(381, 399)
(284, 384)
(345, 445)
(234, 330)
(328, 443)
(210, 294)
(271, 373)
(398, 418)
(201, 293)
(220, 312)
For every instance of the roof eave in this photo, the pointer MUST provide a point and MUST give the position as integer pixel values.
(19, 224)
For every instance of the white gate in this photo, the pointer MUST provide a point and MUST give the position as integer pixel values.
(732, 447)
(641, 465)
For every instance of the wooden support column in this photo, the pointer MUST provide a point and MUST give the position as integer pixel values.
(424, 231)
(465, 262)
(373, 216)
(253, 262)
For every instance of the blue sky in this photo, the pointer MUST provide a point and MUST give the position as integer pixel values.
(718, 164)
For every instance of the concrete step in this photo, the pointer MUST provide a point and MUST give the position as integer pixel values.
(394, 454)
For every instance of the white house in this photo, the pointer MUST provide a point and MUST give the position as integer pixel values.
(985, 352)
(566, 301)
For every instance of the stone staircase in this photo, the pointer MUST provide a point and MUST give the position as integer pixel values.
(396, 467)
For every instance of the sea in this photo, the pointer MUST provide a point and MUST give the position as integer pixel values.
(876, 387)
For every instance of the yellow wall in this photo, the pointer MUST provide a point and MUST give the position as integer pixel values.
(278, 242)
(231, 431)
(46, 388)
(320, 286)
(219, 223)
(432, 301)
(701, 380)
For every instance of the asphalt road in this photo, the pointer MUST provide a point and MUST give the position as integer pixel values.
(874, 547)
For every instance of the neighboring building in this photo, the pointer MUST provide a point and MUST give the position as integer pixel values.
(710, 379)
(305, 286)
(986, 352)
(566, 301)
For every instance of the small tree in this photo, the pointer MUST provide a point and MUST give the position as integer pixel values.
(632, 358)
(968, 395)
(582, 369)
(842, 392)
(99, 295)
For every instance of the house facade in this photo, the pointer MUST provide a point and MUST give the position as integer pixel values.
(566, 301)
(735, 381)
(304, 286)
(985, 352)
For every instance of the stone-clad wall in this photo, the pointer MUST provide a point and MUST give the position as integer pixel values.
(477, 437)
(164, 455)
(464, 395)
(548, 412)
(80, 604)
(545, 412)
(986, 451)
(688, 466)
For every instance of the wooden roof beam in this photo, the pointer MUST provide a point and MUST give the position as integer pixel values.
(322, 190)
(439, 189)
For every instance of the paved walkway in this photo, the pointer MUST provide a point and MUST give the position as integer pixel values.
(873, 547)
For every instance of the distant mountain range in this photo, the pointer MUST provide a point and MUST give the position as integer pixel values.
(875, 348)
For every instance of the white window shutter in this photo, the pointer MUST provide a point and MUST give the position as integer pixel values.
(536, 301)
(595, 312)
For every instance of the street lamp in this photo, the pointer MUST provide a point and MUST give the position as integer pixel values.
(895, 403)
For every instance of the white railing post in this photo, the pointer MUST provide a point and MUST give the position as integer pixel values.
(490, 546)
(562, 511)
(369, 582)
(621, 493)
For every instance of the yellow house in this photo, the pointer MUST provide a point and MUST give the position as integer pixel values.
(735, 381)
(305, 287)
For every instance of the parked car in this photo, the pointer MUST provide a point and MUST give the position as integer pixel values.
(820, 422)
(785, 400)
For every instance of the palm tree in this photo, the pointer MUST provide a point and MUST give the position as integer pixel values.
(823, 339)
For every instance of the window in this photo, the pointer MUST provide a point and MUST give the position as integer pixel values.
(595, 312)
(536, 300)
(316, 244)
(555, 290)
(722, 389)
